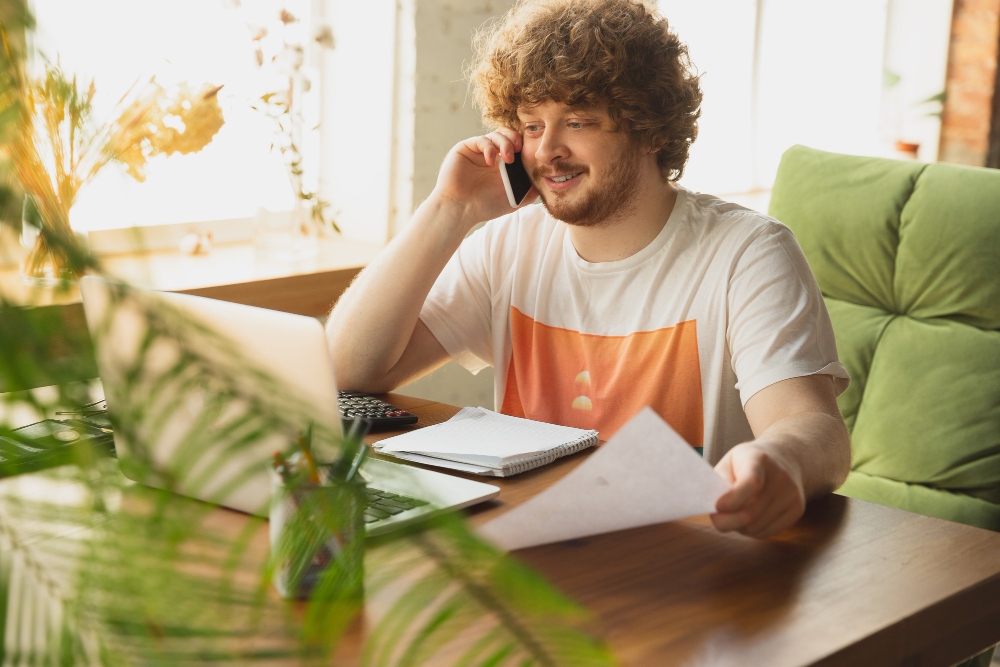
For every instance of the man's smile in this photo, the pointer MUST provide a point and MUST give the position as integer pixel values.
(562, 181)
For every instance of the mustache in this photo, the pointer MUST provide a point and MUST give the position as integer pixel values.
(557, 169)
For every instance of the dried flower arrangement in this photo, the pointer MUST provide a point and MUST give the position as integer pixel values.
(55, 147)
(280, 50)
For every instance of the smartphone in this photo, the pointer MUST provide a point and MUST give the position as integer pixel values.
(515, 180)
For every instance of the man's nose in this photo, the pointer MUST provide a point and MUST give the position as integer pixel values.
(551, 148)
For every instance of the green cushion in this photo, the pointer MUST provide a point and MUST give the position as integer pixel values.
(908, 258)
(931, 410)
(858, 330)
(833, 203)
(948, 264)
(922, 500)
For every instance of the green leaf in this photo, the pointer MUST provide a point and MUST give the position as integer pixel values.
(384, 640)
(500, 655)
(419, 643)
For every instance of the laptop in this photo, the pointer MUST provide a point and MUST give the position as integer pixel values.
(214, 388)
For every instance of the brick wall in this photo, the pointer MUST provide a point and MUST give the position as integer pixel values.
(971, 79)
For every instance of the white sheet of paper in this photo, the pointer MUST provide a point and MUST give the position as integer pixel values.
(645, 474)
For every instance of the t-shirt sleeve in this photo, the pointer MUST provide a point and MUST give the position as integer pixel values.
(778, 326)
(457, 309)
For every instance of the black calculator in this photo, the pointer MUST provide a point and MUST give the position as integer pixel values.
(378, 414)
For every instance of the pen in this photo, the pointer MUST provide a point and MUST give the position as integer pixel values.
(305, 444)
(362, 452)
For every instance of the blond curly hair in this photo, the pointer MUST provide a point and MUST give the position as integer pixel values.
(589, 53)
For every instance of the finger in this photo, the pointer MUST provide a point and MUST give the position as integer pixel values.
(749, 482)
(779, 502)
(783, 521)
(488, 149)
(725, 468)
(738, 520)
(747, 473)
(513, 136)
(505, 145)
(474, 147)
(768, 514)
(730, 521)
(784, 504)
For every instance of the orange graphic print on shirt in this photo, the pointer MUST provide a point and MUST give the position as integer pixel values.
(600, 382)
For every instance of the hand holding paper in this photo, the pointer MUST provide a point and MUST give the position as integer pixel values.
(645, 474)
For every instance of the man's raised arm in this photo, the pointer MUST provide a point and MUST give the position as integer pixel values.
(376, 339)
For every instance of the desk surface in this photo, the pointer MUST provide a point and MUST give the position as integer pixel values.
(853, 583)
(231, 272)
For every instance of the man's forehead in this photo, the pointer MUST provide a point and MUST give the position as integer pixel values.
(559, 108)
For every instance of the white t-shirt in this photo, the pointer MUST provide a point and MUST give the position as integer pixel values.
(718, 306)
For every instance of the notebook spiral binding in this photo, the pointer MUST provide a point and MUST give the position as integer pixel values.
(531, 461)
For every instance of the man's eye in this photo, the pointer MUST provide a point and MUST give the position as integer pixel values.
(576, 126)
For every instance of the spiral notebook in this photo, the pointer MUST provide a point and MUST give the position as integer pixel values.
(484, 442)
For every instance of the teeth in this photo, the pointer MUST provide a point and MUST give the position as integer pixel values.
(563, 179)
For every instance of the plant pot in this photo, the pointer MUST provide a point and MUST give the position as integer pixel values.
(318, 540)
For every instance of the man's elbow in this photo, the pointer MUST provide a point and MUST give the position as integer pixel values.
(352, 378)
(351, 374)
(842, 458)
(349, 370)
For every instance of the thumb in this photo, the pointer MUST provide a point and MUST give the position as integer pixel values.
(745, 471)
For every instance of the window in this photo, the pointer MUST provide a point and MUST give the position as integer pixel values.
(775, 73)
(117, 42)
(783, 72)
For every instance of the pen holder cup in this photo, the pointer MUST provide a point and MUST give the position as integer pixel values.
(318, 540)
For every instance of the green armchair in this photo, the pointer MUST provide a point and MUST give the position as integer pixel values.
(908, 258)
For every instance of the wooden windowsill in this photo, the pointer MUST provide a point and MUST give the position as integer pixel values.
(231, 272)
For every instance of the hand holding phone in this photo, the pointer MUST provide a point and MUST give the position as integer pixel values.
(515, 180)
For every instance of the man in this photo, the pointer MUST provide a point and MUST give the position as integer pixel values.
(620, 289)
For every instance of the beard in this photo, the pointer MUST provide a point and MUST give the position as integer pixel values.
(603, 202)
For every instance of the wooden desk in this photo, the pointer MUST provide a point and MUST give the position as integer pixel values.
(852, 584)
(231, 272)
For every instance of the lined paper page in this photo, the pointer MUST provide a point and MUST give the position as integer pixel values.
(480, 432)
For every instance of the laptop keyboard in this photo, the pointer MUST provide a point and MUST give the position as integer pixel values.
(49, 443)
(382, 504)
(53, 442)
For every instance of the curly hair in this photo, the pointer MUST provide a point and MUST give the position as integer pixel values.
(589, 53)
